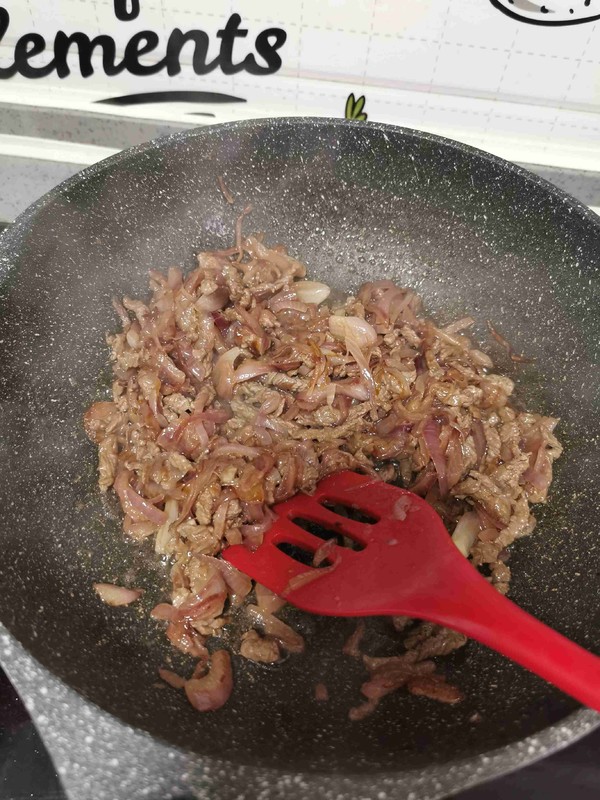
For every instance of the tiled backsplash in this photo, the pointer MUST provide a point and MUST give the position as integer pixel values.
(469, 46)
(462, 67)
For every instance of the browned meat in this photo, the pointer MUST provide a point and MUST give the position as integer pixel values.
(209, 691)
(263, 649)
(352, 645)
(237, 386)
(436, 688)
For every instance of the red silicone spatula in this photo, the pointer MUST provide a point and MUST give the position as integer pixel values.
(408, 566)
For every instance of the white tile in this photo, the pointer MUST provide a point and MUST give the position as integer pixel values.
(409, 116)
(351, 15)
(585, 87)
(579, 136)
(536, 77)
(150, 18)
(400, 61)
(449, 118)
(333, 53)
(263, 95)
(469, 69)
(271, 12)
(478, 24)
(322, 103)
(67, 15)
(565, 41)
(21, 21)
(175, 9)
(522, 119)
(421, 19)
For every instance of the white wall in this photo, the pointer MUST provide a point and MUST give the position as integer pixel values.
(457, 66)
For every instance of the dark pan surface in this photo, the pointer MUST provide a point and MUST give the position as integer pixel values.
(472, 234)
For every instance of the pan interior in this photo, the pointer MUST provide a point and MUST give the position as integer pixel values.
(471, 235)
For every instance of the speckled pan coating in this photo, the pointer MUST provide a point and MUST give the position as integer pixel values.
(472, 234)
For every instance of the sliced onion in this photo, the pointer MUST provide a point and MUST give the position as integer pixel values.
(165, 611)
(186, 639)
(479, 440)
(172, 678)
(352, 644)
(312, 291)
(357, 354)
(289, 638)
(194, 438)
(459, 325)
(214, 301)
(144, 506)
(170, 436)
(298, 581)
(235, 450)
(323, 552)
(250, 369)
(223, 373)
(267, 600)
(465, 533)
(253, 534)
(208, 602)
(287, 300)
(138, 530)
(431, 434)
(214, 689)
(149, 383)
(174, 278)
(117, 595)
(123, 315)
(216, 415)
(168, 372)
(353, 328)
(239, 585)
(352, 388)
(187, 360)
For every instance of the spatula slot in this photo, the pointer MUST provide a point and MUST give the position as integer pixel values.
(349, 512)
(297, 553)
(325, 533)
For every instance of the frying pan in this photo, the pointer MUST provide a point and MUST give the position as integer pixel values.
(473, 235)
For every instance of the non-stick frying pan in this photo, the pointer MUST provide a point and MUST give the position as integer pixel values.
(473, 235)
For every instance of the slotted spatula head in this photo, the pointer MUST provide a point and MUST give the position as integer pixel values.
(407, 565)
(399, 553)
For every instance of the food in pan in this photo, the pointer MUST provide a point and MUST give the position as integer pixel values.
(241, 384)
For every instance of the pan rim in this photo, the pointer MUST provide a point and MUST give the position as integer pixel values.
(451, 775)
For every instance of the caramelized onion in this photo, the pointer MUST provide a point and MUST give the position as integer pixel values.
(239, 585)
(431, 434)
(172, 678)
(117, 595)
(312, 291)
(215, 301)
(223, 373)
(267, 600)
(273, 626)
(465, 533)
(353, 328)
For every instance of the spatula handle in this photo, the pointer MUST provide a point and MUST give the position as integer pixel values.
(481, 613)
